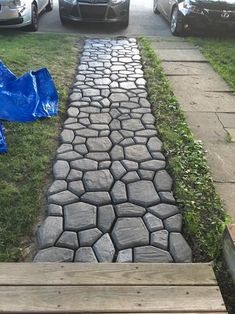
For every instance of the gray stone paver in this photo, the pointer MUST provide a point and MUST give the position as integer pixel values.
(111, 199)
(68, 239)
(85, 255)
(125, 256)
(130, 232)
(160, 239)
(151, 254)
(49, 231)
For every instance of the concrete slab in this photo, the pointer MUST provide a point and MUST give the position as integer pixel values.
(186, 55)
(206, 127)
(188, 68)
(172, 45)
(227, 192)
(191, 100)
(200, 84)
(221, 161)
(227, 119)
(220, 154)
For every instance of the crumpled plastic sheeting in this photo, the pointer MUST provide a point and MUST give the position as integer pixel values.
(28, 98)
(3, 144)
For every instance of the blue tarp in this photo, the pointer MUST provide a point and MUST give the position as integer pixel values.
(3, 144)
(28, 98)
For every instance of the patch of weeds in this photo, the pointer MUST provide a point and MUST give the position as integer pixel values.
(228, 137)
(202, 209)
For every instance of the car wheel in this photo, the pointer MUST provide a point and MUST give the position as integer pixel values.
(155, 7)
(63, 20)
(125, 22)
(33, 27)
(49, 6)
(176, 23)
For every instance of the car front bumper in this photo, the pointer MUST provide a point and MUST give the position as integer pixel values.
(97, 12)
(14, 18)
(209, 19)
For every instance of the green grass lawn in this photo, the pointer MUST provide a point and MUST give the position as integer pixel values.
(25, 169)
(221, 55)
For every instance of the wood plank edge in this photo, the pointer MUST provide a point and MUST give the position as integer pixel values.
(109, 285)
(55, 274)
(97, 312)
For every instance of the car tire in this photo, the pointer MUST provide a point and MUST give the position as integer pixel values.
(125, 22)
(176, 23)
(33, 27)
(63, 20)
(49, 6)
(155, 7)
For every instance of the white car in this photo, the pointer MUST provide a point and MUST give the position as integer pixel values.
(21, 13)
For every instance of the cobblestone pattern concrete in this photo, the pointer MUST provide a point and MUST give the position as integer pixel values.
(111, 199)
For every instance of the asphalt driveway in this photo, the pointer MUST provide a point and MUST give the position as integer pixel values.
(142, 22)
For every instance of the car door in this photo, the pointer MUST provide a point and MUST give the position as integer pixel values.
(168, 7)
(160, 4)
(164, 6)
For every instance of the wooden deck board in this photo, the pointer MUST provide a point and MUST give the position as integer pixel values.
(95, 299)
(109, 288)
(102, 274)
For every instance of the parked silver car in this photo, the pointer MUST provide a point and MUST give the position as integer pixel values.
(95, 11)
(21, 13)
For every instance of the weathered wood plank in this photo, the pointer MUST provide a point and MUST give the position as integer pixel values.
(94, 299)
(102, 274)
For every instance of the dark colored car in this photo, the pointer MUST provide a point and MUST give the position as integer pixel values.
(196, 14)
(95, 11)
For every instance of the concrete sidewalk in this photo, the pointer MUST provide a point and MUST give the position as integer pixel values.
(209, 106)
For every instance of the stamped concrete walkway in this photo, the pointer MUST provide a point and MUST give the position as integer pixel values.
(111, 199)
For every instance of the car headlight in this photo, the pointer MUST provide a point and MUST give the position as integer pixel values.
(189, 5)
(15, 4)
(117, 1)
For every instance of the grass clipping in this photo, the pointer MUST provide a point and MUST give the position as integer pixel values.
(203, 214)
